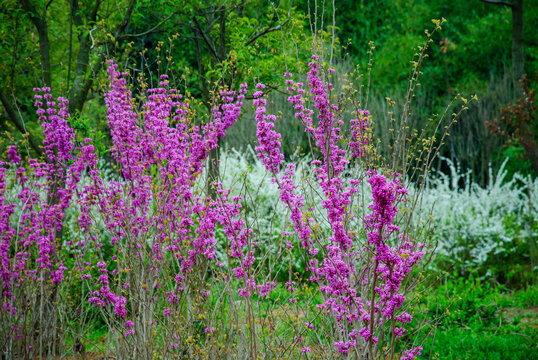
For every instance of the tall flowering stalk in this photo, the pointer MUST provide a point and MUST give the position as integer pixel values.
(270, 155)
(360, 277)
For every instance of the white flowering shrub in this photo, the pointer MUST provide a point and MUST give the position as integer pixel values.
(482, 229)
(476, 229)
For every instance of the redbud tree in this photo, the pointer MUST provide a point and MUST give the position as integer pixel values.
(172, 270)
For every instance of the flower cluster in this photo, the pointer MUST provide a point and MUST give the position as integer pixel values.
(161, 231)
(360, 136)
(270, 155)
(269, 148)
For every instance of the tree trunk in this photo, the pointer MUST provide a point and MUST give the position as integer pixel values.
(40, 23)
(213, 159)
(213, 164)
(82, 83)
(44, 52)
(518, 60)
(518, 56)
(76, 96)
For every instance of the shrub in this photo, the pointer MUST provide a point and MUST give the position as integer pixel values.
(177, 269)
(488, 231)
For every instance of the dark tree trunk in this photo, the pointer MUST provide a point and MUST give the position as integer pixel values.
(44, 53)
(213, 156)
(76, 96)
(40, 23)
(213, 160)
(518, 54)
(518, 59)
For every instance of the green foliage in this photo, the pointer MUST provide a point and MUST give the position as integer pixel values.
(475, 41)
(472, 52)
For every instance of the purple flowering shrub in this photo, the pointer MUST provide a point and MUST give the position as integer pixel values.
(161, 227)
(360, 271)
(34, 200)
(175, 270)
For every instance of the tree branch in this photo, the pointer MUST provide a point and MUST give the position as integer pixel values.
(203, 82)
(82, 83)
(121, 27)
(16, 120)
(32, 12)
(77, 96)
(498, 2)
(93, 16)
(40, 23)
(222, 30)
(271, 29)
(150, 31)
(204, 36)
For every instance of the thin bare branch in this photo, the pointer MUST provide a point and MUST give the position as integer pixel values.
(150, 31)
(19, 124)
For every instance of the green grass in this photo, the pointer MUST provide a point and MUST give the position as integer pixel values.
(469, 343)
(480, 321)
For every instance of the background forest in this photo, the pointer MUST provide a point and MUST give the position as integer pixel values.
(64, 45)
(481, 193)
